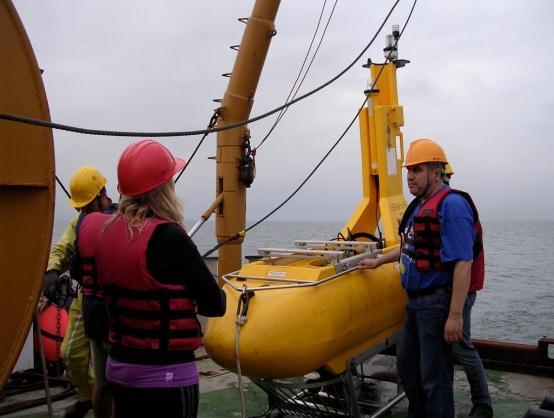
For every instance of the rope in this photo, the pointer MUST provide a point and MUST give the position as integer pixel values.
(62, 186)
(213, 121)
(53, 125)
(241, 387)
(243, 303)
(211, 124)
(241, 319)
(297, 88)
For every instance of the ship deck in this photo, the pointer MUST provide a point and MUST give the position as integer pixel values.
(513, 393)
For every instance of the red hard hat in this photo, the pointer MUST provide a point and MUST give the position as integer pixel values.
(145, 166)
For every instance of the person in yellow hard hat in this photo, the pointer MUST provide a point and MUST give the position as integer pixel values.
(88, 194)
(441, 250)
(448, 173)
(93, 307)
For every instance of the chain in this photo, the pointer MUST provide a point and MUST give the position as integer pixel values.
(62, 301)
(57, 366)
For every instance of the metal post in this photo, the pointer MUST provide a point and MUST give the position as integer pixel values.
(36, 325)
(236, 106)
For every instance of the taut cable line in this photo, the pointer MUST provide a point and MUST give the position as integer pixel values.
(85, 131)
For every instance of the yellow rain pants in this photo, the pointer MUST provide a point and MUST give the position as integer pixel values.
(76, 353)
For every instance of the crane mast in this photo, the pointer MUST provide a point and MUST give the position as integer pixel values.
(232, 144)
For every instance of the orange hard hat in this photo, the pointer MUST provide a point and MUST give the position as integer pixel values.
(145, 166)
(423, 151)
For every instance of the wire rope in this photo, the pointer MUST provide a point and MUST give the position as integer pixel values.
(63, 187)
(294, 90)
(213, 121)
(69, 128)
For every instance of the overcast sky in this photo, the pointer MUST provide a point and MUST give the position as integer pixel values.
(479, 82)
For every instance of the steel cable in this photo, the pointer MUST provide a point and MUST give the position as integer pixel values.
(296, 88)
(69, 128)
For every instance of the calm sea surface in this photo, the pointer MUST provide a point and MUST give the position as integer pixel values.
(517, 303)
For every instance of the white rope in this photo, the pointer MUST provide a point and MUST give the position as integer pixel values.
(241, 319)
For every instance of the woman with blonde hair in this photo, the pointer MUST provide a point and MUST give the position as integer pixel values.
(154, 282)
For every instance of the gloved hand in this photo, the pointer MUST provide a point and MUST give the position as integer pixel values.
(51, 285)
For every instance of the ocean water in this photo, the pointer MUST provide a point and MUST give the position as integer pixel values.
(517, 303)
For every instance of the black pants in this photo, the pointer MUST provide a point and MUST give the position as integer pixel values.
(179, 402)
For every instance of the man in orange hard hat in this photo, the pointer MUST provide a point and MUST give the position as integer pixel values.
(441, 249)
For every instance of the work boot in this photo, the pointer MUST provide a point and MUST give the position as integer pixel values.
(78, 410)
(478, 411)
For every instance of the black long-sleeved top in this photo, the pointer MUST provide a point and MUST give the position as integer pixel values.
(173, 258)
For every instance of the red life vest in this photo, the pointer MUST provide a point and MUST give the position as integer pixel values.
(427, 239)
(89, 226)
(144, 313)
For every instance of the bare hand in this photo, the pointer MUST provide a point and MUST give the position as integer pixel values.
(453, 328)
(369, 263)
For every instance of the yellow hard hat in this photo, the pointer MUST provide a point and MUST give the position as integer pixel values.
(85, 185)
(448, 170)
(424, 151)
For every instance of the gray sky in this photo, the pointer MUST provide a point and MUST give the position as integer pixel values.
(479, 83)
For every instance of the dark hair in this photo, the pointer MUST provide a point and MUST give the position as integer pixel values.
(440, 166)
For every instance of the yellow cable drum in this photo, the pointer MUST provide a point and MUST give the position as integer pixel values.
(26, 188)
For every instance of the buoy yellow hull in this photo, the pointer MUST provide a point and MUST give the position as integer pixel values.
(293, 331)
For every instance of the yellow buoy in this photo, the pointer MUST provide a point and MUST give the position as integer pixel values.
(316, 318)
